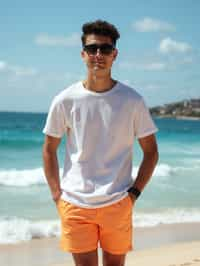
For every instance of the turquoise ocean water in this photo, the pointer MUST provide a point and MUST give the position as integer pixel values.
(26, 208)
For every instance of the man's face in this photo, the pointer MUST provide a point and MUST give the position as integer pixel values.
(100, 60)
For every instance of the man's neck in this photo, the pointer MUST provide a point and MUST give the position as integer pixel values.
(97, 84)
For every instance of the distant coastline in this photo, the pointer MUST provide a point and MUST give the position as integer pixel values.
(178, 117)
(182, 110)
(185, 110)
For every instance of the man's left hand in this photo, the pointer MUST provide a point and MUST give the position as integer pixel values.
(133, 198)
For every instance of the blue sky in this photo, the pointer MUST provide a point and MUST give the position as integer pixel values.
(159, 52)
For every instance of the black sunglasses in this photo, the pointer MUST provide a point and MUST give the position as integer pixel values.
(105, 48)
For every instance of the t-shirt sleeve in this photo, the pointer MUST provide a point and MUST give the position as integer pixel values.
(56, 124)
(143, 122)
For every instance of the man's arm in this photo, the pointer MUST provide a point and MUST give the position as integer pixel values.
(51, 167)
(150, 158)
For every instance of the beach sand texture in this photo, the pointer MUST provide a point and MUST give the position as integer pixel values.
(184, 254)
(164, 245)
(179, 254)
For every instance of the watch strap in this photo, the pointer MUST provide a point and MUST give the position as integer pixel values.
(136, 192)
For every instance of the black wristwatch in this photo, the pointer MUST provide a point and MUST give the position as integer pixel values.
(134, 191)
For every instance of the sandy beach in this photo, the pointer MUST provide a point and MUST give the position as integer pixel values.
(163, 245)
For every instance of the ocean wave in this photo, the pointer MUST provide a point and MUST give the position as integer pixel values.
(161, 170)
(169, 216)
(22, 178)
(14, 230)
(29, 177)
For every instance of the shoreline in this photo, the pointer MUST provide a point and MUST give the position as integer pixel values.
(45, 252)
(190, 118)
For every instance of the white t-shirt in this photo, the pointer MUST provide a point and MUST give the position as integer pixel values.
(100, 129)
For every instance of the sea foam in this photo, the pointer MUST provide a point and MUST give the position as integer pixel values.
(29, 177)
(14, 230)
(22, 178)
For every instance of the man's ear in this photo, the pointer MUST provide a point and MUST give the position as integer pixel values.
(82, 54)
(115, 53)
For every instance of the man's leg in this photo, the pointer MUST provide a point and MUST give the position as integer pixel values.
(113, 260)
(79, 233)
(116, 232)
(86, 259)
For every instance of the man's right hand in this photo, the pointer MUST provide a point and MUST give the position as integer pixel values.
(51, 167)
(56, 196)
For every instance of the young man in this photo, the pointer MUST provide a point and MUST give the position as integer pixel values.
(101, 118)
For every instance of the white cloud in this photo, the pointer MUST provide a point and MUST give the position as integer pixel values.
(17, 70)
(126, 65)
(48, 40)
(2, 65)
(168, 45)
(154, 66)
(152, 87)
(148, 24)
(187, 60)
(22, 71)
(149, 66)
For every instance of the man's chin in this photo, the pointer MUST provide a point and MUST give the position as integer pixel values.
(98, 68)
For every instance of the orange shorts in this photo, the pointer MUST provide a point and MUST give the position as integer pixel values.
(82, 229)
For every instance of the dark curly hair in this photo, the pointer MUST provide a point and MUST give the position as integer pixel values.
(100, 27)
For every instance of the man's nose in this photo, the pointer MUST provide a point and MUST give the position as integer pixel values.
(98, 53)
